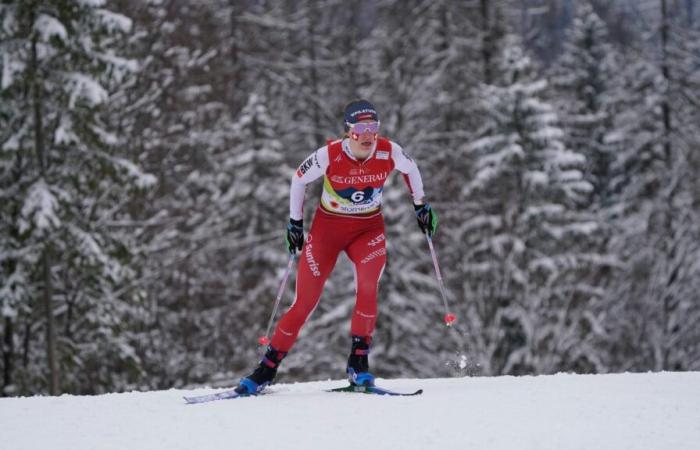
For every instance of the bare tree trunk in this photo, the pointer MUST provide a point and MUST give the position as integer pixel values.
(50, 326)
(46, 257)
(669, 303)
(7, 356)
(666, 109)
(486, 40)
(25, 344)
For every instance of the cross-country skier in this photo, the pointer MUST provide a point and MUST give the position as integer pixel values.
(348, 219)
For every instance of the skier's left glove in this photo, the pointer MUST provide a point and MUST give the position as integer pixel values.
(427, 219)
(295, 235)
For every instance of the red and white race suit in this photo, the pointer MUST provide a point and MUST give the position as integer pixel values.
(348, 219)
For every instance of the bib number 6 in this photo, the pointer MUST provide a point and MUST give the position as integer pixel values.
(357, 196)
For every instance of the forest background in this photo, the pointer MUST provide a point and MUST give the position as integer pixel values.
(146, 149)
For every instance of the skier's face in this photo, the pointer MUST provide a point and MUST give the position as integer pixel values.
(363, 138)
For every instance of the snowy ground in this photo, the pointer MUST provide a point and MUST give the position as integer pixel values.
(630, 411)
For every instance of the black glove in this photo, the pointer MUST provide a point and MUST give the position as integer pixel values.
(295, 235)
(427, 219)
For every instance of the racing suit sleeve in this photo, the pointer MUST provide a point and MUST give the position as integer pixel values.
(411, 175)
(310, 170)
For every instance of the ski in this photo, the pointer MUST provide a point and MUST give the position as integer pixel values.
(376, 390)
(353, 388)
(225, 395)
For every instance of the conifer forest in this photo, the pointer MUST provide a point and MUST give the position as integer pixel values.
(147, 148)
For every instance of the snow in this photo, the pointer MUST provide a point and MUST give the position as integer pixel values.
(40, 207)
(625, 411)
(48, 26)
(143, 180)
(568, 158)
(536, 178)
(115, 21)
(124, 64)
(585, 228)
(87, 88)
(9, 68)
(64, 132)
(92, 3)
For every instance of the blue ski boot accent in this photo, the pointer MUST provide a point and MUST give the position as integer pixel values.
(263, 375)
(250, 387)
(360, 379)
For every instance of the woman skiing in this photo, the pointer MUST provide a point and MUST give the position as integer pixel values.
(348, 219)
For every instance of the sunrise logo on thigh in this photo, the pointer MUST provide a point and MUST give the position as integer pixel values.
(313, 265)
(374, 254)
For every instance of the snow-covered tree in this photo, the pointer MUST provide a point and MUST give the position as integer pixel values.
(657, 308)
(582, 79)
(67, 273)
(527, 257)
(228, 95)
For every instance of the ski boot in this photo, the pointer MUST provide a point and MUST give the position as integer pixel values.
(263, 375)
(358, 362)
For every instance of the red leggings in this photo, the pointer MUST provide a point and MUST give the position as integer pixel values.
(363, 241)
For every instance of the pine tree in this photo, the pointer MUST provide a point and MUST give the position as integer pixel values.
(68, 270)
(527, 255)
(180, 124)
(657, 221)
(582, 81)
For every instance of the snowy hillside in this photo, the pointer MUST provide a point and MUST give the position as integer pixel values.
(630, 411)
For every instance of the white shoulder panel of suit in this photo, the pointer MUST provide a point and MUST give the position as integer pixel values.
(315, 165)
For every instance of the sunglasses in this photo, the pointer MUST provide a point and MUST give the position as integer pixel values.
(364, 127)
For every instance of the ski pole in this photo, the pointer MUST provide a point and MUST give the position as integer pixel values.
(264, 340)
(449, 317)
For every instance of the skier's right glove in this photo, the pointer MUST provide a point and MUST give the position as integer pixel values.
(295, 235)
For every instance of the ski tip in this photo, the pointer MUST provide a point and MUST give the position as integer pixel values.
(194, 400)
